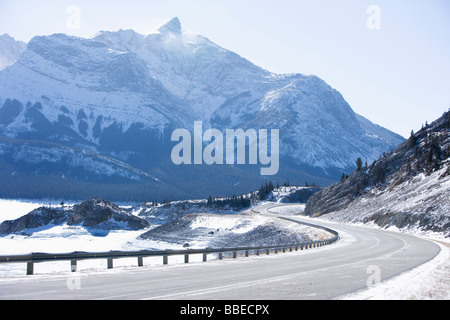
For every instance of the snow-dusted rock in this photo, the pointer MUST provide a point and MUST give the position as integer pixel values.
(10, 50)
(91, 214)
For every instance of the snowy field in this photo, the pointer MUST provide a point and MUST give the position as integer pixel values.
(65, 239)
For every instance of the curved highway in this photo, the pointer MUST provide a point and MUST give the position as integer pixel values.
(362, 257)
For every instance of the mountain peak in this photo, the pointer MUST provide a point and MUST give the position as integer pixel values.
(6, 37)
(10, 50)
(173, 26)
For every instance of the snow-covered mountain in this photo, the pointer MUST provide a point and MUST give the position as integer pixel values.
(119, 96)
(10, 50)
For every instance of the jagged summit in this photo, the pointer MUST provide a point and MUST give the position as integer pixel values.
(10, 50)
(173, 26)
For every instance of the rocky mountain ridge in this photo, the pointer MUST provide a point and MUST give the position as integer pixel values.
(10, 50)
(406, 188)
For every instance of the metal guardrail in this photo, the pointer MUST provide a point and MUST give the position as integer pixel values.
(73, 257)
(32, 258)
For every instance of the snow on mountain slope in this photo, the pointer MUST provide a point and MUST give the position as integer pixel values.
(408, 188)
(85, 75)
(227, 91)
(10, 51)
(190, 66)
(121, 94)
(420, 204)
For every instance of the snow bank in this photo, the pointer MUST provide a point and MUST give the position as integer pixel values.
(430, 281)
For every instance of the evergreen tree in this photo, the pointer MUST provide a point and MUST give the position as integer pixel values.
(359, 164)
(412, 140)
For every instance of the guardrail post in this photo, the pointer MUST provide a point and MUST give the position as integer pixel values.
(267, 251)
(165, 259)
(257, 252)
(205, 257)
(186, 258)
(73, 265)
(110, 263)
(220, 256)
(140, 261)
(246, 253)
(234, 254)
(30, 267)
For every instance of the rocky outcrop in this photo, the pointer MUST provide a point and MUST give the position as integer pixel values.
(34, 220)
(94, 213)
(299, 196)
(233, 230)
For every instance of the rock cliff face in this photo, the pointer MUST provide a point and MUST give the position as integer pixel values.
(94, 213)
(408, 187)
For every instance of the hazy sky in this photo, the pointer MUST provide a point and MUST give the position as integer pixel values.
(389, 59)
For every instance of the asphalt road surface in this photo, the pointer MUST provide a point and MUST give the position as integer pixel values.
(361, 258)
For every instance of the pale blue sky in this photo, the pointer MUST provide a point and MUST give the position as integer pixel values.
(398, 76)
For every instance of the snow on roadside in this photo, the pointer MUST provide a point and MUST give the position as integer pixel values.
(430, 281)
